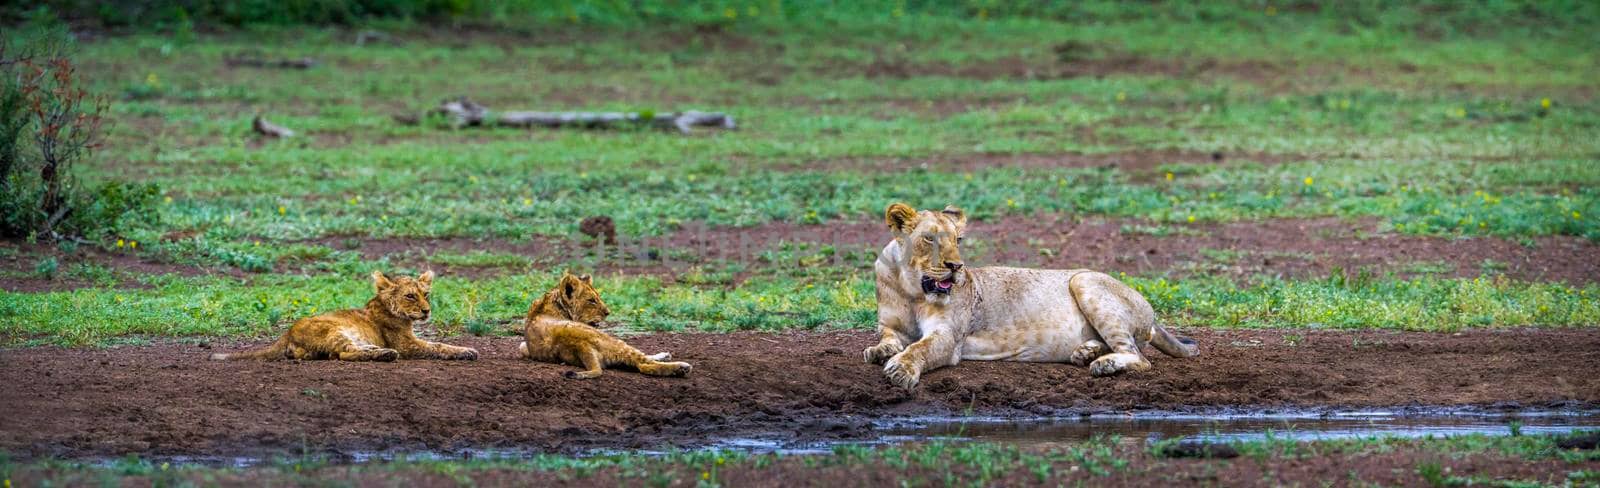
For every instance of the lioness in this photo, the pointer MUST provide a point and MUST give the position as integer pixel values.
(560, 330)
(932, 312)
(379, 332)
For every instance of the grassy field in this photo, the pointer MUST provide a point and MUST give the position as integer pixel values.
(1516, 461)
(1174, 119)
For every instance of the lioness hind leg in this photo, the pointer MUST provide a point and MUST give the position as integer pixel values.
(1105, 302)
(1088, 351)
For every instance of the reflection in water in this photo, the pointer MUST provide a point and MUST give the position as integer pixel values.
(1050, 432)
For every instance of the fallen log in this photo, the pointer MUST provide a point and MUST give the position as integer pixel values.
(270, 129)
(466, 113)
(253, 62)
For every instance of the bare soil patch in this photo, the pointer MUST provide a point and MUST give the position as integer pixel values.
(1138, 163)
(1286, 248)
(20, 261)
(169, 399)
(1289, 248)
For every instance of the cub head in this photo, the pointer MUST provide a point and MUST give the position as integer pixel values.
(932, 243)
(404, 296)
(576, 297)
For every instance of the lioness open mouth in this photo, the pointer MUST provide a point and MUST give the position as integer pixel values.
(943, 286)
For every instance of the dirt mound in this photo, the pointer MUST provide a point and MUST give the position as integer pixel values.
(169, 400)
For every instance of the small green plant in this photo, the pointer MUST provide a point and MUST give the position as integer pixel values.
(46, 268)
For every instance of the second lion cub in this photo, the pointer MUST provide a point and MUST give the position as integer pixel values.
(561, 330)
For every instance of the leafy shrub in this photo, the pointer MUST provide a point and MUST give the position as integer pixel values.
(48, 124)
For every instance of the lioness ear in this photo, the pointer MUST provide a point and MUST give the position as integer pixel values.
(900, 217)
(587, 279)
(957, 214)
(426, 278)
(380, 282)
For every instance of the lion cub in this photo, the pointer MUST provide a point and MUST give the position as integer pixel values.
(379, 332)
(560, 330)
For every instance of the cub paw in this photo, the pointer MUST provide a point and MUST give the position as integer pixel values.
(881, 352)
(522, 349)
(682, 370)
(571, 375)
(1087, 352)
(902, 374)
(385, 355)
(660, 356)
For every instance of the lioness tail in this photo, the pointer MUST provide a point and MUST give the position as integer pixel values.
(1172, 345)
(274, 351)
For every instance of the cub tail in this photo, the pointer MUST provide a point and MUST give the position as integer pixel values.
(1173, 345)
(278, 350)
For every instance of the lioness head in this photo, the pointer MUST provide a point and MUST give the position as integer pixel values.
(932, 243)
(404, 296)
(577, 298)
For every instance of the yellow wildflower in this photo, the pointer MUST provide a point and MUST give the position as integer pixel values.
(1191, 219)
(282, 210)
(1309, 181)
(167, 200)
(1271, 10)
(1122, 97)
(120, 243)
(730, 13)
(705, 475)
(1544, 103)
(1169, 176)
(133, 244)
(1576, 215)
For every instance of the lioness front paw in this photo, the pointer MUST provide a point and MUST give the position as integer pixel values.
(881, 352)
(1115, 363)
(902, 373)
(1087, 352)
(467, 355)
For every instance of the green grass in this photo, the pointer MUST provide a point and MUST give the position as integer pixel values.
(1433, 119)
(821, 298)
(1101, 458)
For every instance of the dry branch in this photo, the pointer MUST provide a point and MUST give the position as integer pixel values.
(466, 113)
(270, 129)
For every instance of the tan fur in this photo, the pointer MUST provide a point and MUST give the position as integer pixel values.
(999, 313)
(379, 332)
(560, 330)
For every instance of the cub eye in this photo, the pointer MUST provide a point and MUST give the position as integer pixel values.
(928, 238)
(411, 296)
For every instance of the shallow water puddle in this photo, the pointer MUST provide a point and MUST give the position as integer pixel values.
(1243, 427)
(1046, 432)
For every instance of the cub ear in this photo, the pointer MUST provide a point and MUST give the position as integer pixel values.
(426, 278)
(587, 279)
(956, 213)
(901, 218)
(380, 282)
(569, 283)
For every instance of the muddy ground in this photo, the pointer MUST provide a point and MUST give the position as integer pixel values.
(167, 399)
(1284, 248)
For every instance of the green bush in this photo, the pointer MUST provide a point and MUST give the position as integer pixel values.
(49, 123)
